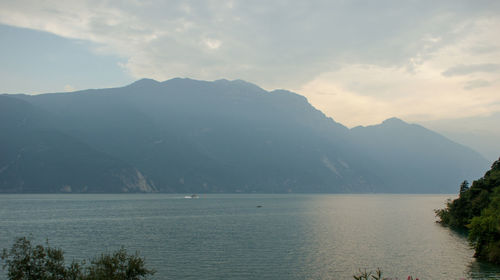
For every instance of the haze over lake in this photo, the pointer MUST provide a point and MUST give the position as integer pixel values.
(228, 237)
(320, 136)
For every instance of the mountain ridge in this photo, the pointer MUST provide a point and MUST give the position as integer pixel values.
(185, 135)
(36, 157)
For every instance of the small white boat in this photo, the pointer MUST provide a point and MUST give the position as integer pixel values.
(192, 196)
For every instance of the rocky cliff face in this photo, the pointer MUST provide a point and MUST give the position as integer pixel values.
(136, 182)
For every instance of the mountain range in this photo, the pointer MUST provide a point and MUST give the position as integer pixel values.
(190, 136)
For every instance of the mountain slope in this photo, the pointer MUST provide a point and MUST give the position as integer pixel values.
(38, 158)
(194, 136)
(415, 159)
(232, 136)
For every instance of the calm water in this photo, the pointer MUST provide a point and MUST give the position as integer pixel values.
(228, 237)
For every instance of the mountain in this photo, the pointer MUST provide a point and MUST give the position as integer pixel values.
(415, 158)
(192, 136)
(481, 133)
(38, 158)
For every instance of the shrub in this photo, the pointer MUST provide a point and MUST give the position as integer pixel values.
(25, 261)
(374, 275)
(477, 209)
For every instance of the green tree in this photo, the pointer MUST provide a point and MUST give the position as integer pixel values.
(484, 231)
(477, 209)
(118, 266)
(25, 261)
(464, 187)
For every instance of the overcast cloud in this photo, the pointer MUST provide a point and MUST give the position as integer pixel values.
(472, 68)
(358, 61)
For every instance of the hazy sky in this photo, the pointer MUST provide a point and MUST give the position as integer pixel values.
(360, 62)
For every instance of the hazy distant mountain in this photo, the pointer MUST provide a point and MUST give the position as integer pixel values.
(35, 157)
(481, 133)
(187, 136)
(415, 158)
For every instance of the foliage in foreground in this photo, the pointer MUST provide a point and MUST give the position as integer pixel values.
(374, 275)
(363, 275)
(25, 261)
(478, 209)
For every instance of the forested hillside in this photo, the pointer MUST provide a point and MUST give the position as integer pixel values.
(478, 209)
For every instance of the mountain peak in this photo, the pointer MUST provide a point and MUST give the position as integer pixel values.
(144, 82)
(179, 79)
(388, 123)
(215, 136)
(393, 121)
(239, 83)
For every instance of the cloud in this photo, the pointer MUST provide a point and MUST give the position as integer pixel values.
(374, 59)
(212, 44)
(69, 88)
(462, 69)
(273, 43)
(368, 94)
(470, 85)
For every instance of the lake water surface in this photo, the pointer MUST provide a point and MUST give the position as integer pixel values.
(228, 237)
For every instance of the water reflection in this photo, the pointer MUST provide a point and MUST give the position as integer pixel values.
(227, 237)
(396, 233)
(480, 270)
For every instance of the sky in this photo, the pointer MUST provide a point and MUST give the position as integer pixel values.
(436, 63)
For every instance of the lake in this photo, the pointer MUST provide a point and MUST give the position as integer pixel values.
(228, 237)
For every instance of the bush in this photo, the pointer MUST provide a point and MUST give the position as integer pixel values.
(24, 261)
(118, 266)
(374, 275)
(363, 275)
(477, 209)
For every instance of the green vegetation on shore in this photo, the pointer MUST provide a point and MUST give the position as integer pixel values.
(477, 209)
(26, 261)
